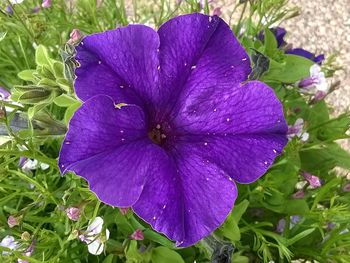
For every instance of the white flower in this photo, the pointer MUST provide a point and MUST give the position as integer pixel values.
(315, 82)
(93, 237)
(16, 1)
(297, 130)
(10, 243)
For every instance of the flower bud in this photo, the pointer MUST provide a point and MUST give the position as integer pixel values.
(13, 221)
(73, 213)
(46, 4)
(137, 235)
(313, 180)
(299, 195)
(123, 210)
(25, 236)
(75, 36)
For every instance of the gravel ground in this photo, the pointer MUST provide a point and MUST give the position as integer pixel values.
(324, 27)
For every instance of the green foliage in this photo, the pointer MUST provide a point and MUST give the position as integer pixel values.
(37, 65)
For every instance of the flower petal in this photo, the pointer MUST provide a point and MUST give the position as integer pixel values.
(241, 130)
(188, 203)
(96, 247)
(103, 146)
(199, 51)
(121, 63)
(252, 108)
(95, 226)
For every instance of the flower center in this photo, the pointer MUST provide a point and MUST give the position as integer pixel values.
(157, 135)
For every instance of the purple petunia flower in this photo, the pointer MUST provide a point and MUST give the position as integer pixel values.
(169, 123)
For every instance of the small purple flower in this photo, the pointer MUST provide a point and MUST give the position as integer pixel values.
(294, 220)
(36, 9)
(9, 10)
(346, 188)
(73, 213)
(330, 225)
(299, 195)
(46, 4)
(75, 36)
(28, 252)
(12, 221)
(281, 225)
(297, 130)
(167, 127)
(10, 243)
(313, 180)
(4, 94)
(137, 235)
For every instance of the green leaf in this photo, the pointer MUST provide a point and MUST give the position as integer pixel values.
(34, 96)
(270, 43)
(239, 210)
(58, 69)
(36, 108)
(158, 238)
(299, 236)
(70, 111)
(27, 75)
(2, 36)
(296, 207)
(230, 227)
(108, 259)
(163, 254)
(132, 254)
(324, 158)
(65, 85)
(294, 68)
(64, 100)
(42, 57)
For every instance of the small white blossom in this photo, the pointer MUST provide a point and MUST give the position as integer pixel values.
(10, 243)
(316, 82)
(297, 130)
(92, 236)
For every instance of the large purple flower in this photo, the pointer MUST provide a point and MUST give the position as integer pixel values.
(189, 124)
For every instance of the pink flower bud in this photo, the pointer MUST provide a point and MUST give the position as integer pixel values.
(346, 188)
(313, 180)
(123, 210)
(46, 4)
(299, 195)
(73, 213)
(75, 36)
(137, 235)
(217, 11)
(12, 221)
